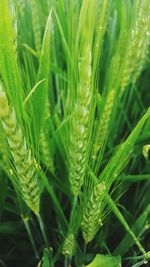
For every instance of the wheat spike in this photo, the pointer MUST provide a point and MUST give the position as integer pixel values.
(69, 245)
(21, 6)
(79, 126)
(45, 152)
(103, 125)
(138, 46)
(36, 25)
(92, 220)
(24, 163)
(46, 155)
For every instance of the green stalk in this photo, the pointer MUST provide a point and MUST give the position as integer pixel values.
(66, 261)
(41, 224)
(74, 205)
(118, 214)
(69, 242)
(27, 226)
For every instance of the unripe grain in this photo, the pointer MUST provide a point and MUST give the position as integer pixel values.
(24, 163)
(104, 124)
(45, 152)
(79, 126)
(36, 25)
(92, 220)
(69, 245)
(138, 46)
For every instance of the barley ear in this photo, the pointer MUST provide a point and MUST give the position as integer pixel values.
(69, 245)
(36, 24)
(138, 46)
(79, 126)
(92, 220)
(45, 152)
(101, 133)
(24, 163)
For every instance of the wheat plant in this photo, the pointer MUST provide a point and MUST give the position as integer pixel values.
(74, 133)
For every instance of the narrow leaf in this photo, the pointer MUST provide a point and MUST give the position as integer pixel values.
(9, 71)
(127, 242)
(39, 96)
(46, 259)
(105, 261)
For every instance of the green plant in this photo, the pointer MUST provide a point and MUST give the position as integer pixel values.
(74, 133)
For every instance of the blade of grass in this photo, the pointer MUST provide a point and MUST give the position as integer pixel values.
(39, 96)
(120, 217)
(127, 242)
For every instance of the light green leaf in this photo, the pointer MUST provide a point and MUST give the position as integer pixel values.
(46, 259)
(105, 261)
(127, 242)
(9, 71)
(39, 96)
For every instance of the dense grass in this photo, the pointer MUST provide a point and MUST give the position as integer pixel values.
(74, 133)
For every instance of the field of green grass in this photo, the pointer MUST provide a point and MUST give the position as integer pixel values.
(74, 133)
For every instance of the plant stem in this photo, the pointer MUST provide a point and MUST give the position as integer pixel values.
(27, 226)
(74, 205)
(119, 215)
(140, 263)
(42, 229)
(84, 248)
(66, 261)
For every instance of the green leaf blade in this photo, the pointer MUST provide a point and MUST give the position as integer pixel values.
(40, 94)
(105, 261)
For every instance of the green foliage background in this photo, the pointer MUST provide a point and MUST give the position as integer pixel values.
(76, 74)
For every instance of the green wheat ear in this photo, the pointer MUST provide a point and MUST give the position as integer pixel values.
(46, 155)
(36, 24)
(69, 245)
(138, 46)
(45, 152)
(92, 220)
(24, 163)
(79, 127)
(103, 125)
